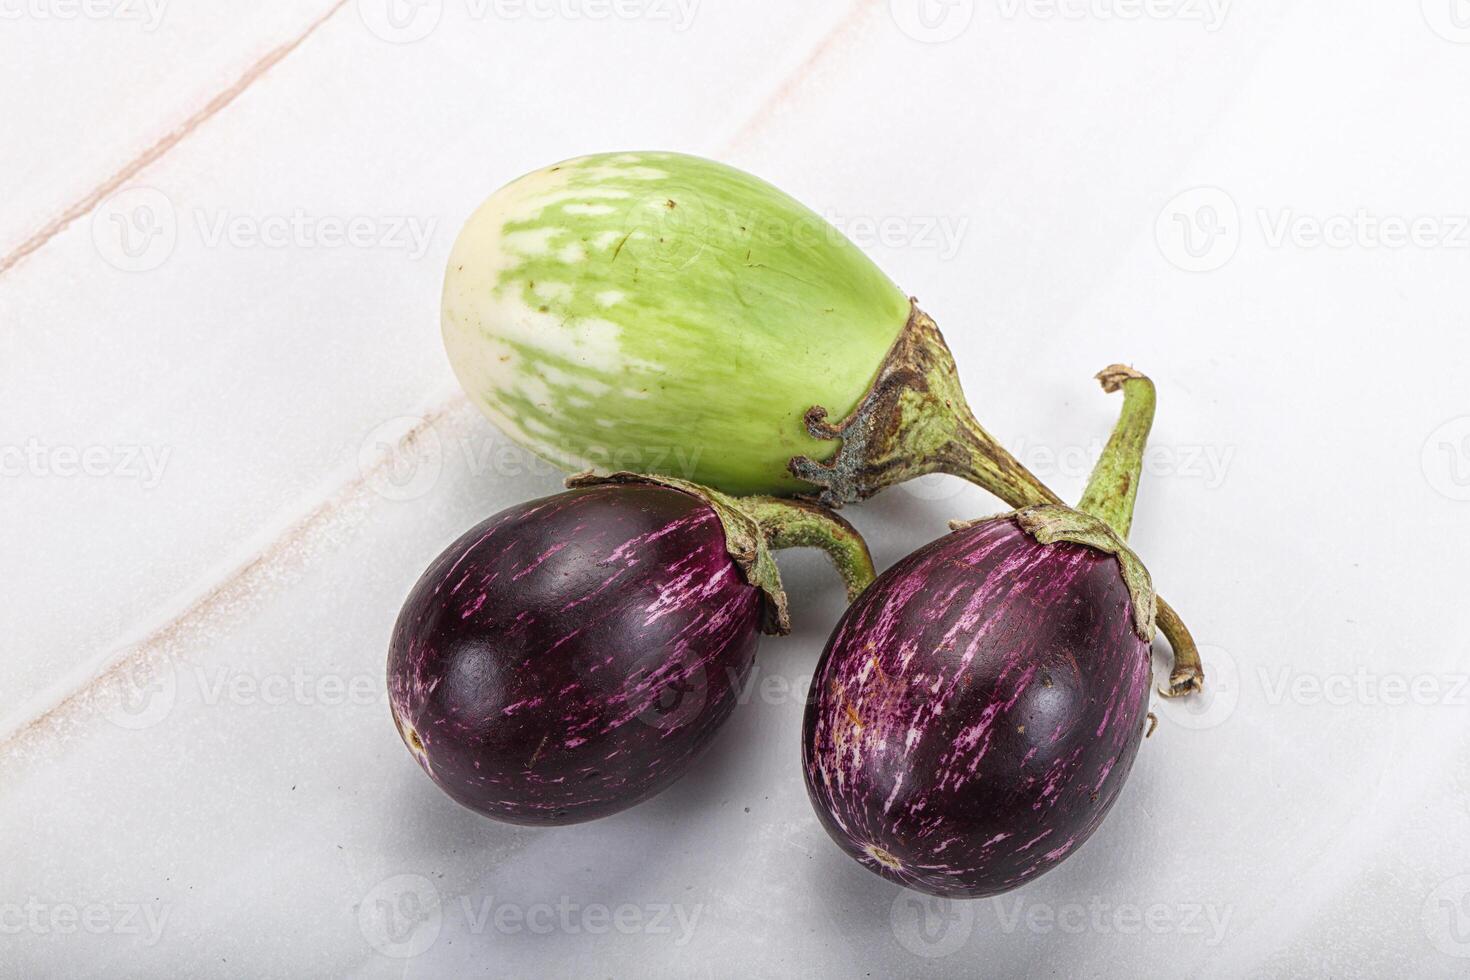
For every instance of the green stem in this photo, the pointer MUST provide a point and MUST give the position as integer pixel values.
(1188, 676)
(1110, 496)
(1113, 488)
(976, 456)
(797, 524)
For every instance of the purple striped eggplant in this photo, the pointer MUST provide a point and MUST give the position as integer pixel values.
(977, 711)
(571, 656)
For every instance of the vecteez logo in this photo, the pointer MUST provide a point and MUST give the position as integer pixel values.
(942, 234)
(403, 458)
(407, 21)
(1211, 14)
(1201, 230)
(939, 21)
(147, 13)
(1363, 687)
(1275, 686)
(1363, 229)
(143, 922)
(935, 928)
(137, 462)
(140, 694)
(137, 230)
(1207, 922)
(403, 916)
(299, 229)
(679, 14)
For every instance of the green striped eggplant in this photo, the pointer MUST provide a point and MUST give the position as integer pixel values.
(663, 313)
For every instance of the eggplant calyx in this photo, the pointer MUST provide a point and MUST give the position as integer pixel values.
(1051, 524)
(913, 421)
(756, 527)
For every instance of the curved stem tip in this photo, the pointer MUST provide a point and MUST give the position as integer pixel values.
(1188, 676)
(1113, 488)
(797, 524)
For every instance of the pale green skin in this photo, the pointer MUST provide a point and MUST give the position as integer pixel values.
(664, 314)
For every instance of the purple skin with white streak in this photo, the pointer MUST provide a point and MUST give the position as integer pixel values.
(977, 711)
(570, 657)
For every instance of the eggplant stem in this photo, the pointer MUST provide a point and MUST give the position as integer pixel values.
(1188, 675)
(799, 524)
(1111, 494)
(912, 422)
(1112, 490)
(985, 462)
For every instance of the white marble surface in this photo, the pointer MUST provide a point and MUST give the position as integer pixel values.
(198, 773)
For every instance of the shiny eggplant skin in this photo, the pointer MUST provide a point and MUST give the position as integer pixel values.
(977, 711)
(571, 656)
